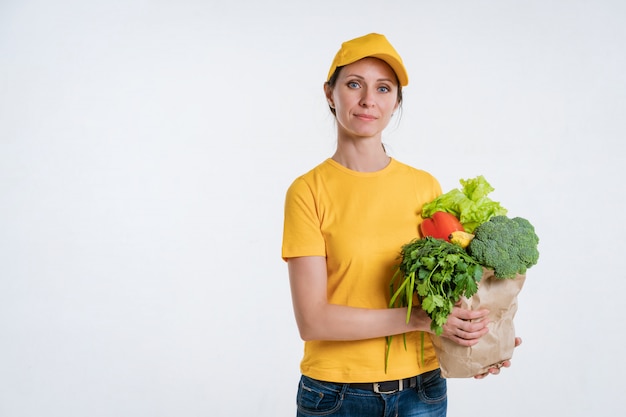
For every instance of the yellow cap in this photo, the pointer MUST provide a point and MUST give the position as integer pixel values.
(372, 45)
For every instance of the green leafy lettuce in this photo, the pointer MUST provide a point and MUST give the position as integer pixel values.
(470, 204)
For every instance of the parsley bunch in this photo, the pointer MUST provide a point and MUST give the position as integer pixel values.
(439, 273)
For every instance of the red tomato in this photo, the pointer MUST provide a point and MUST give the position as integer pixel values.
(440, 225)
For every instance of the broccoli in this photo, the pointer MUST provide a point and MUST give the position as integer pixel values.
(508, 246)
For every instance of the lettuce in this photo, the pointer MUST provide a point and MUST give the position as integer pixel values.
(469, 204)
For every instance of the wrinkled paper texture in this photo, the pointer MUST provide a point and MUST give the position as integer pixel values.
(499, 296)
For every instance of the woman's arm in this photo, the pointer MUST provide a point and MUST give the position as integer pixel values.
(317, 319)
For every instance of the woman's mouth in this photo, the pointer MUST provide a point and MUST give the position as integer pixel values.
(366, 117)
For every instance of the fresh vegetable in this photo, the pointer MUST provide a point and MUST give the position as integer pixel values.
(508, 246)
(469, 204)
(440, 225)
(439, 273)
(461, 238)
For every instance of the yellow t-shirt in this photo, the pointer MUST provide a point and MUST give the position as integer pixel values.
(359, 222)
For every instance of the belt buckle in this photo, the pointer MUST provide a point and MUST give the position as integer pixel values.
(378, 391)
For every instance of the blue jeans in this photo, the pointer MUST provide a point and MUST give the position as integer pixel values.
(319, 398)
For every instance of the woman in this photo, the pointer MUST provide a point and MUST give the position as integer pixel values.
(345, 222)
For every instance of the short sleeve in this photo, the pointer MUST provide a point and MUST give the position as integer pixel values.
(302, 235)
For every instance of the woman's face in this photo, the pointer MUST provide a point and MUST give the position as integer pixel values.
(364, 98)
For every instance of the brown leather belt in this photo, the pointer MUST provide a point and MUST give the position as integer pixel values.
(387, 387)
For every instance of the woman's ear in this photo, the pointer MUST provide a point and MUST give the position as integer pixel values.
(328, 92)
(398, 103)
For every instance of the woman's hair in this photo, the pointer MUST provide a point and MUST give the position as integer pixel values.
(332, 82)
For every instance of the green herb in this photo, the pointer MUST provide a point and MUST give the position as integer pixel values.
(438, 273)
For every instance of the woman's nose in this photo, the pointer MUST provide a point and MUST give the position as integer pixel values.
(367, 98)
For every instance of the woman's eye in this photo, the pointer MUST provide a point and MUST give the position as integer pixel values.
(383, 89)
(353, 84)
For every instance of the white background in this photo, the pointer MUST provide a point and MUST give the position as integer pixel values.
(146, 146)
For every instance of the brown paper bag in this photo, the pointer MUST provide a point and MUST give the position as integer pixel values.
(499, 296)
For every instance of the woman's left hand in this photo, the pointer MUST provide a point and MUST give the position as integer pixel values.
(466, 327)
(495, 370)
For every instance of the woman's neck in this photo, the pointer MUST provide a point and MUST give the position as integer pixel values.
(365, 155)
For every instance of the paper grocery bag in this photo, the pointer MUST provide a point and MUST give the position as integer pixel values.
(499, 296)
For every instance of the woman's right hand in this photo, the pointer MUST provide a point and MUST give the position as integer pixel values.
(466, 327)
